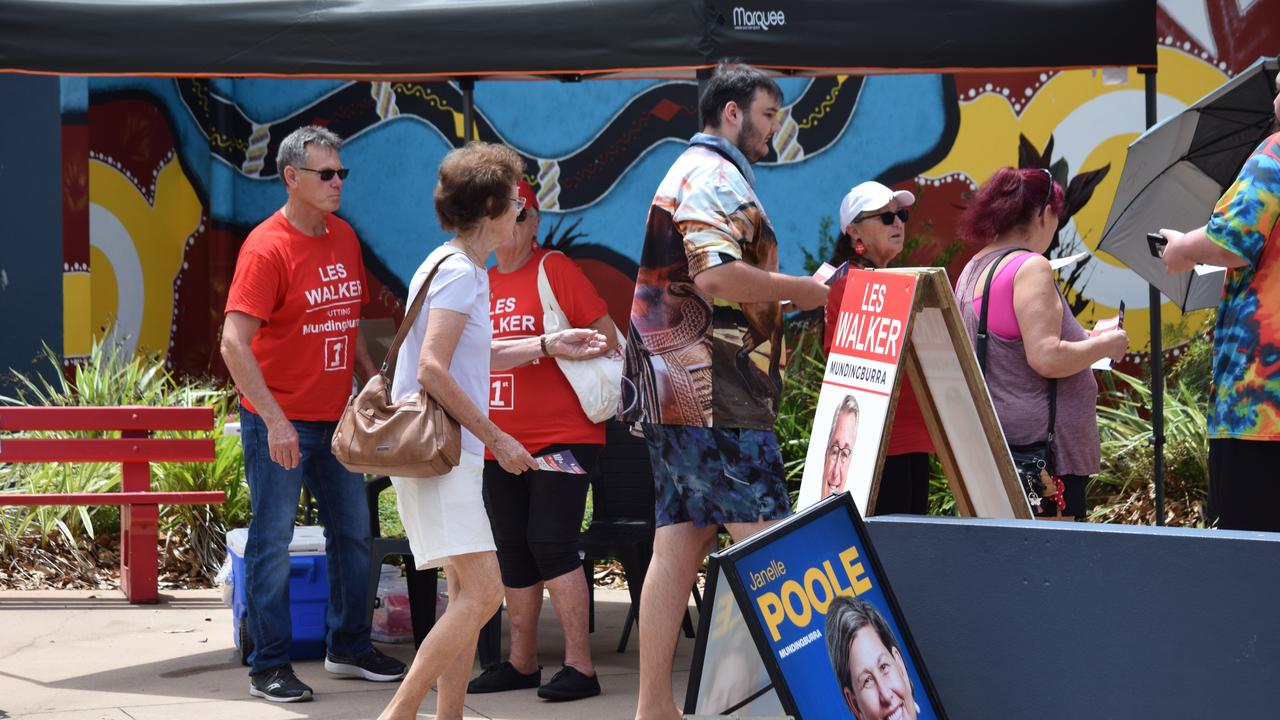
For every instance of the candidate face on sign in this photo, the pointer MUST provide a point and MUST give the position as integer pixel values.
(844, 432)
(869, 666)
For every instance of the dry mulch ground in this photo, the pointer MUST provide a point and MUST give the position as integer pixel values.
(93, 565)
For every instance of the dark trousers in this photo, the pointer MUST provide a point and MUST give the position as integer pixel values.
(904, 485)
(1244, 489)
(536, 517)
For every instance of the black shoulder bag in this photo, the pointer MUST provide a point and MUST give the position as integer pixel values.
(1034, 461)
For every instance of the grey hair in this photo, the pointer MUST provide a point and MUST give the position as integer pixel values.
(848, 406)
(845, 617)
(293, 149)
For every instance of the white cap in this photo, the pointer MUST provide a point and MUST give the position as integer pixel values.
(870, 195)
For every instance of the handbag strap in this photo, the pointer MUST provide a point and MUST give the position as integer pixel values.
(981, 340)
(547, 296)
(389, 363)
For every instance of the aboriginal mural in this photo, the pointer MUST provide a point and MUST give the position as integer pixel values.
(164, 178)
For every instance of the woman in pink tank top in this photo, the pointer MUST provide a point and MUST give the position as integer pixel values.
(1032, 335)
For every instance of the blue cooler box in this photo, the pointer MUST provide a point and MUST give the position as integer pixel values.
(308, 592)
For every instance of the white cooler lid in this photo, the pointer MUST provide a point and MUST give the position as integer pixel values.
(307, 540)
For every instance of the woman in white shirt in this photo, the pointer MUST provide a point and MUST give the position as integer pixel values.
(449, 351)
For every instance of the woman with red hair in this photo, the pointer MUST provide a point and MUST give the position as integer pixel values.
(1038, 357)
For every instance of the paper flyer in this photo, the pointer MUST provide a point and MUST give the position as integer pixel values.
(562, 462)
(861, 370)
(1059, 263)
(828, 273)
(1102, 326)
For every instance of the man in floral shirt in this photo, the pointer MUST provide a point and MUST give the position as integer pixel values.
(704, 360)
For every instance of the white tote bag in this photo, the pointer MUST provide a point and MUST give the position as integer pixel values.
(598, 381)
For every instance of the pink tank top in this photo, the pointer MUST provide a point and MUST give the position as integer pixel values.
(1001, 318)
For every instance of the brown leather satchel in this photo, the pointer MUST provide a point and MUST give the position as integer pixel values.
(414, 437)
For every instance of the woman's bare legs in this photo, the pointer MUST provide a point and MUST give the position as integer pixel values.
(572, 605)
(446, 655)
(570, 600)
(524, 605)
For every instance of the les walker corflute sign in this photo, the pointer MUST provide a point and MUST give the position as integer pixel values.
(849, 426)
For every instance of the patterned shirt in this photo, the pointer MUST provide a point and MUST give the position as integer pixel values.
(1244, 401)
(693, 359)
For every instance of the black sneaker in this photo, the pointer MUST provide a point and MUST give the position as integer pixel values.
(502, 677)
(373, 665)
(280, 685)
(569, 684)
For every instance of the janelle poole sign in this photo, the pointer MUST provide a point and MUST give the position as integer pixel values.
(804, 623)
(849, 427)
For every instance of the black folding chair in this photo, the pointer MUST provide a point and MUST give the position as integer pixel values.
(422, 583)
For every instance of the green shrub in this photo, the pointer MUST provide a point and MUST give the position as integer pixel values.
(941, 500)
(800, 387)
(1124, 490)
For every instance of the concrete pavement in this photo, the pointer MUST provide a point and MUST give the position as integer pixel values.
(89, 655)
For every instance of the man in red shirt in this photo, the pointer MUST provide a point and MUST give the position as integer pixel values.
(291, 341)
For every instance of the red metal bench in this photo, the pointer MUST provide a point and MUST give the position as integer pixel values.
(135, 450)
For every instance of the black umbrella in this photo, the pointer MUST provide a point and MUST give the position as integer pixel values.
(1176, 171)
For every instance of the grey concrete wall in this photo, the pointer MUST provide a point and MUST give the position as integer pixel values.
(31, 234)
(1025, 619)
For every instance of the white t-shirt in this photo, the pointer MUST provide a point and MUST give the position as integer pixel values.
(463, 287)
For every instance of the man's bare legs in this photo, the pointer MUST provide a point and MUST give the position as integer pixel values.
(678, 551)
(446, 655)
(570, 600)
(742, 531)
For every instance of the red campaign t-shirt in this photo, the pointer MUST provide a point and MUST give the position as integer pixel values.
(307, 291)
(909, 433)
(534, 403)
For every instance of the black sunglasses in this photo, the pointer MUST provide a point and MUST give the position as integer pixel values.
(887, 217)
(327, 174)
(524, 215)
(1049, 195)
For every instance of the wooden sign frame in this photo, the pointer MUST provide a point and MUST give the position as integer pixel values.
(985, 484)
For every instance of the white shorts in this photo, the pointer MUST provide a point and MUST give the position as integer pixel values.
(444, 516)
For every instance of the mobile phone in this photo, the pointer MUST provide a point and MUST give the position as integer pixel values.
(1120, 325)
(1156, 242)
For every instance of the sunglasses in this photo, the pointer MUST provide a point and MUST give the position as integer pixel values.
(327, 173)
(524, 215)
(887, 217)
(1049, 195)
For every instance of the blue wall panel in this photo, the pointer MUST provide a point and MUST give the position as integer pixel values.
(30, 202)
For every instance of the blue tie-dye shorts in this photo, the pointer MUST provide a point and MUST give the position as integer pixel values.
(712, 476)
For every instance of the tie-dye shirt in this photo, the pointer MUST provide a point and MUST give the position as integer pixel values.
(693, 359)
(1244, 401)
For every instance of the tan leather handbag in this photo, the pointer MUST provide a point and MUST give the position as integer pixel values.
(414, 437)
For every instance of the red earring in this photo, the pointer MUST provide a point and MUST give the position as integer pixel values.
(859, 247)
